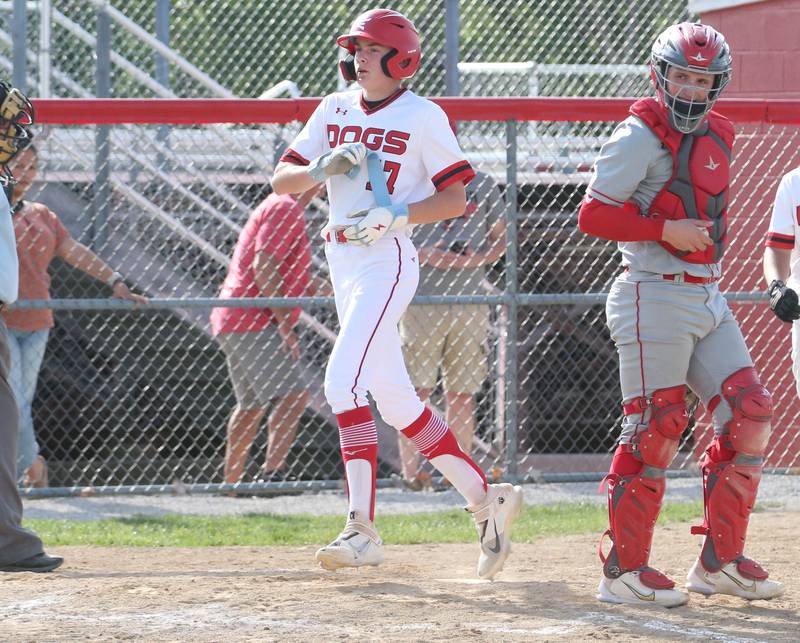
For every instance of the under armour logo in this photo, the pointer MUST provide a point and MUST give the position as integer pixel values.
(339, 110)
(698, 57)
(711, 165)
(379, 227)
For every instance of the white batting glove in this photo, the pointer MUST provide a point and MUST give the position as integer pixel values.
(375, 223)
(343, 159)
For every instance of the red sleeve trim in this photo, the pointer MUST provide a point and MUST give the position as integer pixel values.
(616, 202)
(290, 156)
(775, 240)
(618, 224)
(461, 171)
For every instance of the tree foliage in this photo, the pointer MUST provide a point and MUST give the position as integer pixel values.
(250, 45)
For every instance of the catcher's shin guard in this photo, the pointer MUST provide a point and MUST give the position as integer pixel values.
(636, 481)
(635, 493)
(732, 470)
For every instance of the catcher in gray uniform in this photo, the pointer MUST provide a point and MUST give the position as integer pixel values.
(660, 188)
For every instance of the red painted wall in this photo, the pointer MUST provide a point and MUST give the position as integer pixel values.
(765, 41)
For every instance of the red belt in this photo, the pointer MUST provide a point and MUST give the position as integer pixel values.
(685, 277)
(336, 236)
(690, 279)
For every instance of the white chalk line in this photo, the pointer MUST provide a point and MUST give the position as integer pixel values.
(216, 615)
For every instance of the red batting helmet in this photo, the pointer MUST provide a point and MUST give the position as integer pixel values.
(691, 47)
(390, 29)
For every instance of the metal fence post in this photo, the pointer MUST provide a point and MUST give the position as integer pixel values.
(512, 354)
(19, 36)
(451, 38)
(162, 71)
(101, 201)
(45, 62)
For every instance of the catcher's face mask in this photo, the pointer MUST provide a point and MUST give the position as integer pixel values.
(16, 118)
(682, 60)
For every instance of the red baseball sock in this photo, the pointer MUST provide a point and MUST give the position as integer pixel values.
(434, 439)
(359, 442)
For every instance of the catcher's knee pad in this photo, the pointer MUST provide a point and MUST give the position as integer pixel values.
(751, 404)
(657, 445)
(634, 502)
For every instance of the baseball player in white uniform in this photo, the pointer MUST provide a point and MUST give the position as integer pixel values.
(660, 188)
(390, 161)
(782, 260)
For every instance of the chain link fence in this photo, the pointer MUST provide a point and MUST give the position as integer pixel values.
(141, 399)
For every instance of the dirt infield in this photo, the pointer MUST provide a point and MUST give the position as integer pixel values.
(420, 593)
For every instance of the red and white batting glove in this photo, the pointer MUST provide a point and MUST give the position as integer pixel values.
(343, 159)
(375, 223)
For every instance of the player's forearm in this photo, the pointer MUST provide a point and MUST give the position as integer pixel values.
(777, 264)
(618, 223)
(79, 256)
(447, 204)
(291, 179)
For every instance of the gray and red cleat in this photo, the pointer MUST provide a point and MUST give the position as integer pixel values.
(645, 586)
(741, 577)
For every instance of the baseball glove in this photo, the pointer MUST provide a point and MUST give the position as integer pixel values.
(783, 301)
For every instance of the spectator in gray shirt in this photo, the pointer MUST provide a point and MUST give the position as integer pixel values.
(451, 340)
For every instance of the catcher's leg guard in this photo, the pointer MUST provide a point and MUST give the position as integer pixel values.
(732, 471)
(636, 484)
(634, 504)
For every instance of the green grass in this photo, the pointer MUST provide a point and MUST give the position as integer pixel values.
(268, 529)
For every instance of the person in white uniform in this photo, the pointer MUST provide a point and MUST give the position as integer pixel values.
(782, 261)
(390, 161)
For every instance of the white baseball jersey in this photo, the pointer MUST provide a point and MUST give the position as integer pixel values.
(783, 226)
(411, 135)
(374, 285)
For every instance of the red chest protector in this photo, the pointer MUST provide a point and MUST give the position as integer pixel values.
(698, 187)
